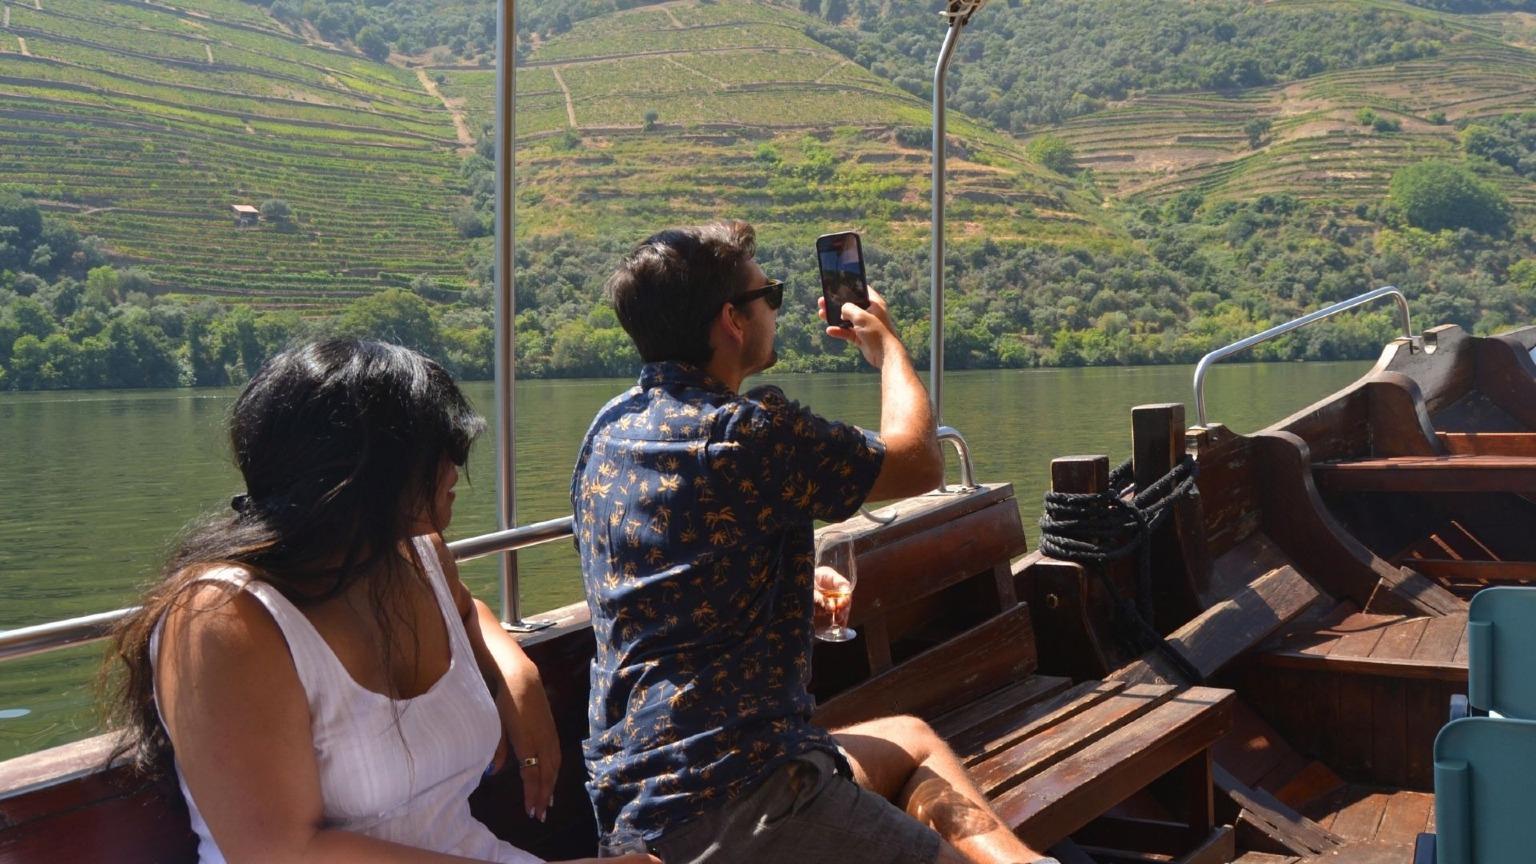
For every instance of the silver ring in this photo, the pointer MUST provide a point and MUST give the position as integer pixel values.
(531, 762)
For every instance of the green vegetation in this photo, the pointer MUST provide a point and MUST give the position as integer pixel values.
(1439, 196)
(1130, 182)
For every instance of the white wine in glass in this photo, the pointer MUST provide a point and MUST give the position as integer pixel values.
(836, 574)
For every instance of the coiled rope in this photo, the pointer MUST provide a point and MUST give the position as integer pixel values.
(1096, 528)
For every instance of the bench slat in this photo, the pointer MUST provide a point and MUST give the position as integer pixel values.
(1071, 793)
(1429, 474)
(978, 661)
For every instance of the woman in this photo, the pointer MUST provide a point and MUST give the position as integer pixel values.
(311, 658)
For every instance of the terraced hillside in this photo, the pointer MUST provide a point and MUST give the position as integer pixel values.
(1159, 145)
(144, 122)
(748, 115)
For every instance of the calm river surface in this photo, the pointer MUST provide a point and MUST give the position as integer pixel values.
(94, 485)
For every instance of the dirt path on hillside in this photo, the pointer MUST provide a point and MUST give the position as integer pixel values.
(7, 21)
(23, 45)
(460, 125)
(570, 107)
(208, 49)
(830, 72)
(667, 8)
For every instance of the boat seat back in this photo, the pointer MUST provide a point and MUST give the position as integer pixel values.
(1483, 767)
(1501, 644)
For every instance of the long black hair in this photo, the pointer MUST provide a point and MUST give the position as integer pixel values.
(340, 444)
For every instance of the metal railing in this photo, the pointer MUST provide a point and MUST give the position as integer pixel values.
(40, 638)
(1342, 306)
(25, 641)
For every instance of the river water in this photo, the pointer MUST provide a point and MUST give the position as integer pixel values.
(95, 485)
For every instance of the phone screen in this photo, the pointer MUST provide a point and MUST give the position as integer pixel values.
(841, 261)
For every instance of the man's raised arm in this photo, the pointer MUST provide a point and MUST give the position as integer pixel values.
(913, 462)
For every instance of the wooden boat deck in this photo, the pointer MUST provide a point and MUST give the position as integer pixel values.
(1379, 645)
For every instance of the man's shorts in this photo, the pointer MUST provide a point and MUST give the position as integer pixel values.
(806, 813)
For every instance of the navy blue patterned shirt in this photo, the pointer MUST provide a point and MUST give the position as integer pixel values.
(694, 510)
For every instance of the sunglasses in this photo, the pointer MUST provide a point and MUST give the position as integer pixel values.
(772, 294)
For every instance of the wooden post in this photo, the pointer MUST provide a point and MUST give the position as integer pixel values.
(1181, 564)
(1070, 611)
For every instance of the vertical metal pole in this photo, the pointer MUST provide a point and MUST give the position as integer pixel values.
(506, 306)
(936, 310)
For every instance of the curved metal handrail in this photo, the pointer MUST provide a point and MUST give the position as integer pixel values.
(25, 641)
(1236, 347)
(967, 473)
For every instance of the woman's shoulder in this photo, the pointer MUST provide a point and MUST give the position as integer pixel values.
(211, 608)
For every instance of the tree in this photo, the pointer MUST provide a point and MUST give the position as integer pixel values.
(393, 315)
(370, 40)
(277, 212)
(1053, 153)
(21, 227)
(1436, 195)
(1256, 129)
(650, 119)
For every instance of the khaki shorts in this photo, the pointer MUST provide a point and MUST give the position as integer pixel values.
(806, 813)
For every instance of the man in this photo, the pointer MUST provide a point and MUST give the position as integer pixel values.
(694, 506)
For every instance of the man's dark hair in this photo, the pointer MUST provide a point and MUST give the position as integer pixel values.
(670, 288)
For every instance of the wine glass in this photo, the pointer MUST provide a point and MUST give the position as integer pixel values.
(836, 574)
(619, 843)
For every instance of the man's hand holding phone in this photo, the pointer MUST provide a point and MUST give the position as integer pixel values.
(872, 330)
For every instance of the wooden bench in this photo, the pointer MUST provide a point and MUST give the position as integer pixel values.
(936, 597)
(1365, 693)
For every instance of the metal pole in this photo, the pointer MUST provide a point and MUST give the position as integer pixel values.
(506, 304)
(936, 308)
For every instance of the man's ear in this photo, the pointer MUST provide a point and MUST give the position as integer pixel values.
(729, 326)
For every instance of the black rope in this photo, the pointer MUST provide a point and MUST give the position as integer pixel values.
(1097, 528)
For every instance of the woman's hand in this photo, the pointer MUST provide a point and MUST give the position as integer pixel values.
(528, 730)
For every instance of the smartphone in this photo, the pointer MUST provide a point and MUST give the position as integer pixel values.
(841, 260)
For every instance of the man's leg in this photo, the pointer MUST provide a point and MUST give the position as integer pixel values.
(903, 759)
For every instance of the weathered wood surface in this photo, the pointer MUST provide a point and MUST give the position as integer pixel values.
(1178, 546)
(1164, 731)
(969, 666)
(1274, 594)
(1442, 363)
(1484, 572)
(1430, 474)
(1516, 444)
(1298, 521)
(1507, 375)
(897, 571)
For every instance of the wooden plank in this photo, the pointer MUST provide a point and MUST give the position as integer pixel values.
(1251, 749)
(1219, 849)
(1400, 640)
(894, 573)
(1416, 669)
(1494, 572)
(972, 664)
(1388, 736)
(1296, 518)
(978, 743)
(1359, 634)
(1070, 794)
(1445, 373)
(1178, 546)
(1018, 697)
(1359, 819)
(1399, 420)
(1267, 825)
(1406, 815)
(1441, 636)
(1507, 375)
(1229, 629)
(1441, 474)
(1309, 784)
(1228, 494)
(1051, 746)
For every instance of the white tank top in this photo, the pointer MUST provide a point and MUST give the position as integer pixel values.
(408, 784)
